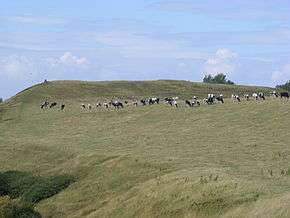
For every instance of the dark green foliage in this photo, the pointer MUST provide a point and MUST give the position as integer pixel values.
(218, 79)
(17, 209)
(15, 183)
(1, 100)
(285, 86)
(47, 188)
(31, 188)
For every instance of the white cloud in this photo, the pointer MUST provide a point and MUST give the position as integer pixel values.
(282, 75)
(67, 59)
(224, 61)
(15, 66)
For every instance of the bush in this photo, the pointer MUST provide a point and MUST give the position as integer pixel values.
(217, 79)
(285, 86)
(15, 183)
(31, 188)
(47, 188)
(16, 209)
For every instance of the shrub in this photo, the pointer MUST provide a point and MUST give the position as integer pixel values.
(217, 79)
(15, 183)
(47, 188)
(31, 188)
(16, 209)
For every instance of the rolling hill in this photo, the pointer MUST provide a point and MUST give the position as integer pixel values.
(224, 160)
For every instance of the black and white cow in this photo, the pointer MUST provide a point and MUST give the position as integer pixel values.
(274, 94)
(247, 97)
(236, 97)
(62, 106)
(284, 94)
(261, 95)
(117, 104)
(53, 104)
(171, 101)
(153, 101)
(44, 104)
(220, 98)
(143, 102)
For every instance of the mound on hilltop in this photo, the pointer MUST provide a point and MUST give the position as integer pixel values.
(65, 90)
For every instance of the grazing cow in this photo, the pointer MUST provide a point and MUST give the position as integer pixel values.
(210, 99)
(153, 101)
(188, 103)
(284, 95)
(62, 106)
(171, 101)
(44, 104)
(98, 105)
(236, 97)
(53, 104)
(89, 106)
(126, 102)
(274, 94)
(247, 97)
(255, 96)
(220, 98)
(106, 105)
(143, 102)
(261, 95)
(117, 104)
(135, 103)
(174, 103)
(83, 106)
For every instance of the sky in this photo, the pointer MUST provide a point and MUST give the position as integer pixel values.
(96, 40)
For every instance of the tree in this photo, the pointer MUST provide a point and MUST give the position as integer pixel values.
(285, 86)
(1, 100)
(217, 79)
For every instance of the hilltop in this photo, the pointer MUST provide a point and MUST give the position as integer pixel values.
(223, 160)
(66, 90)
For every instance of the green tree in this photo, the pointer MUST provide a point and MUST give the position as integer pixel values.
(217, 79)
(285, 86)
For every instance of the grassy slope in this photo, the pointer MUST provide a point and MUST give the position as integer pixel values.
(151, 161)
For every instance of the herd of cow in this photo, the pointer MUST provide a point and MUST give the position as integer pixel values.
(211, 99)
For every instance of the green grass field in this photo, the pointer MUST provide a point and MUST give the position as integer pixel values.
(230, 160)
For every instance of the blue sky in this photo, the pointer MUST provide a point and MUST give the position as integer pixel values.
(143, 40)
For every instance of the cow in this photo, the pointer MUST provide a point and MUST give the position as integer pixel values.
(106, 105)
(247, 97)
(135, 103)
(62, 106)
(220, 98)
(53, 104)
(284, 94)
(274, 94)
(98, 105)
(143, 102)
(83, 106)
(261, 95)
(188, 103)
(255, 96)
(153, 101)
(117, 104)
(171, 101)
(44, 104)
(236, 97)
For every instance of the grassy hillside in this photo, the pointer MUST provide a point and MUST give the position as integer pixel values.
(228, 160)
(78, 90)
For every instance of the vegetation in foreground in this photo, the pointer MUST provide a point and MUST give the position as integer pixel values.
(229, 160)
